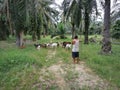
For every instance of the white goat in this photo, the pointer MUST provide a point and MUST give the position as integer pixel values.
(54, 45)
(68, 46)
(38, 47)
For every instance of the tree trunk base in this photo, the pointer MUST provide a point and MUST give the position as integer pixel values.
(21, 47)
(105, 53)
(106, 47)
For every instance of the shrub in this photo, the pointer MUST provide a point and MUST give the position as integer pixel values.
(116, 30)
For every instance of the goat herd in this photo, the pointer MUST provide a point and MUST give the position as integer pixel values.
(66, 45)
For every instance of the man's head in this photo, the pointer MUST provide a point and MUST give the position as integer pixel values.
(76, 37)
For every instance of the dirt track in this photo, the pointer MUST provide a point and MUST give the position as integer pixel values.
(63, 76)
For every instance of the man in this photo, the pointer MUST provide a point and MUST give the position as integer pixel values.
(75, 49)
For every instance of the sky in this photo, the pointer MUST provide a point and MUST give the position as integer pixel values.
(59, 1)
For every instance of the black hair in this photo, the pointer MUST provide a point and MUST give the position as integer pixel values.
(76, 37)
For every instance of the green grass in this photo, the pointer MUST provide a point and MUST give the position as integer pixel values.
(20, 68)
(106, 66)
(16, 68)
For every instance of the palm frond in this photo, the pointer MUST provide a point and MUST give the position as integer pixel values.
(115, 17)
(115, 11)
(102, 3)
(71, 9)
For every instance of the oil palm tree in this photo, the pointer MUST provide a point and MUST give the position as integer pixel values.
(29, 14)
(72, 10)
(76, 10)
(106, 43)
(47, 14)
(4, 33)
(89, 6)
(19, 9)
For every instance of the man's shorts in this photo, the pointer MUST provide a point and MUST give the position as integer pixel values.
(75, 54)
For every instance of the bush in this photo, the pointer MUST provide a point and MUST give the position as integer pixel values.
(53, 35)
(116, 30)
(63, 37)
(56, 37)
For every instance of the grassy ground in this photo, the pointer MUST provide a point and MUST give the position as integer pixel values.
(106, 66)
(21, 68)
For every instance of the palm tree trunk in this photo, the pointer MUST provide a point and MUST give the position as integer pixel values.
(73, 30)
(106, 43)
(38, 33)
(9, 18)
(86, 27)
(19, 39)
(46, 29)
(34, 38)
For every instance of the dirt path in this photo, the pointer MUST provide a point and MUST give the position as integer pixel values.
(70, 77)
(76, 77)
(51, 54)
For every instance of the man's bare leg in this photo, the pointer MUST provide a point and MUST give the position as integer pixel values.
(74, 60)
(77, 59)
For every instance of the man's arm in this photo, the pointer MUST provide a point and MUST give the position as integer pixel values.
(73, 42)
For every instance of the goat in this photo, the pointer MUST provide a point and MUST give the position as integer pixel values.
(37, 46)
(53, 45)
(43, 45)
(65, 43)
(68, 46)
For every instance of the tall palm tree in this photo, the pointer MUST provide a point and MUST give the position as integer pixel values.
(18, 9)
(106, 45)
(27, 14)
(72, 10)
(8, 16)
(48, 14)
(23, 15)
(106, 42)
(89, 6)
(4, 33)
(79, 8)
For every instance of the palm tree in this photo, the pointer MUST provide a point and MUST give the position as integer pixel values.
(8, 16)
(4, 33)
(30, 14)
(72, 10)
(48, 15)
(79, 8)
(42, 17)
(27, 15)
(106, 43)
(18, 9)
